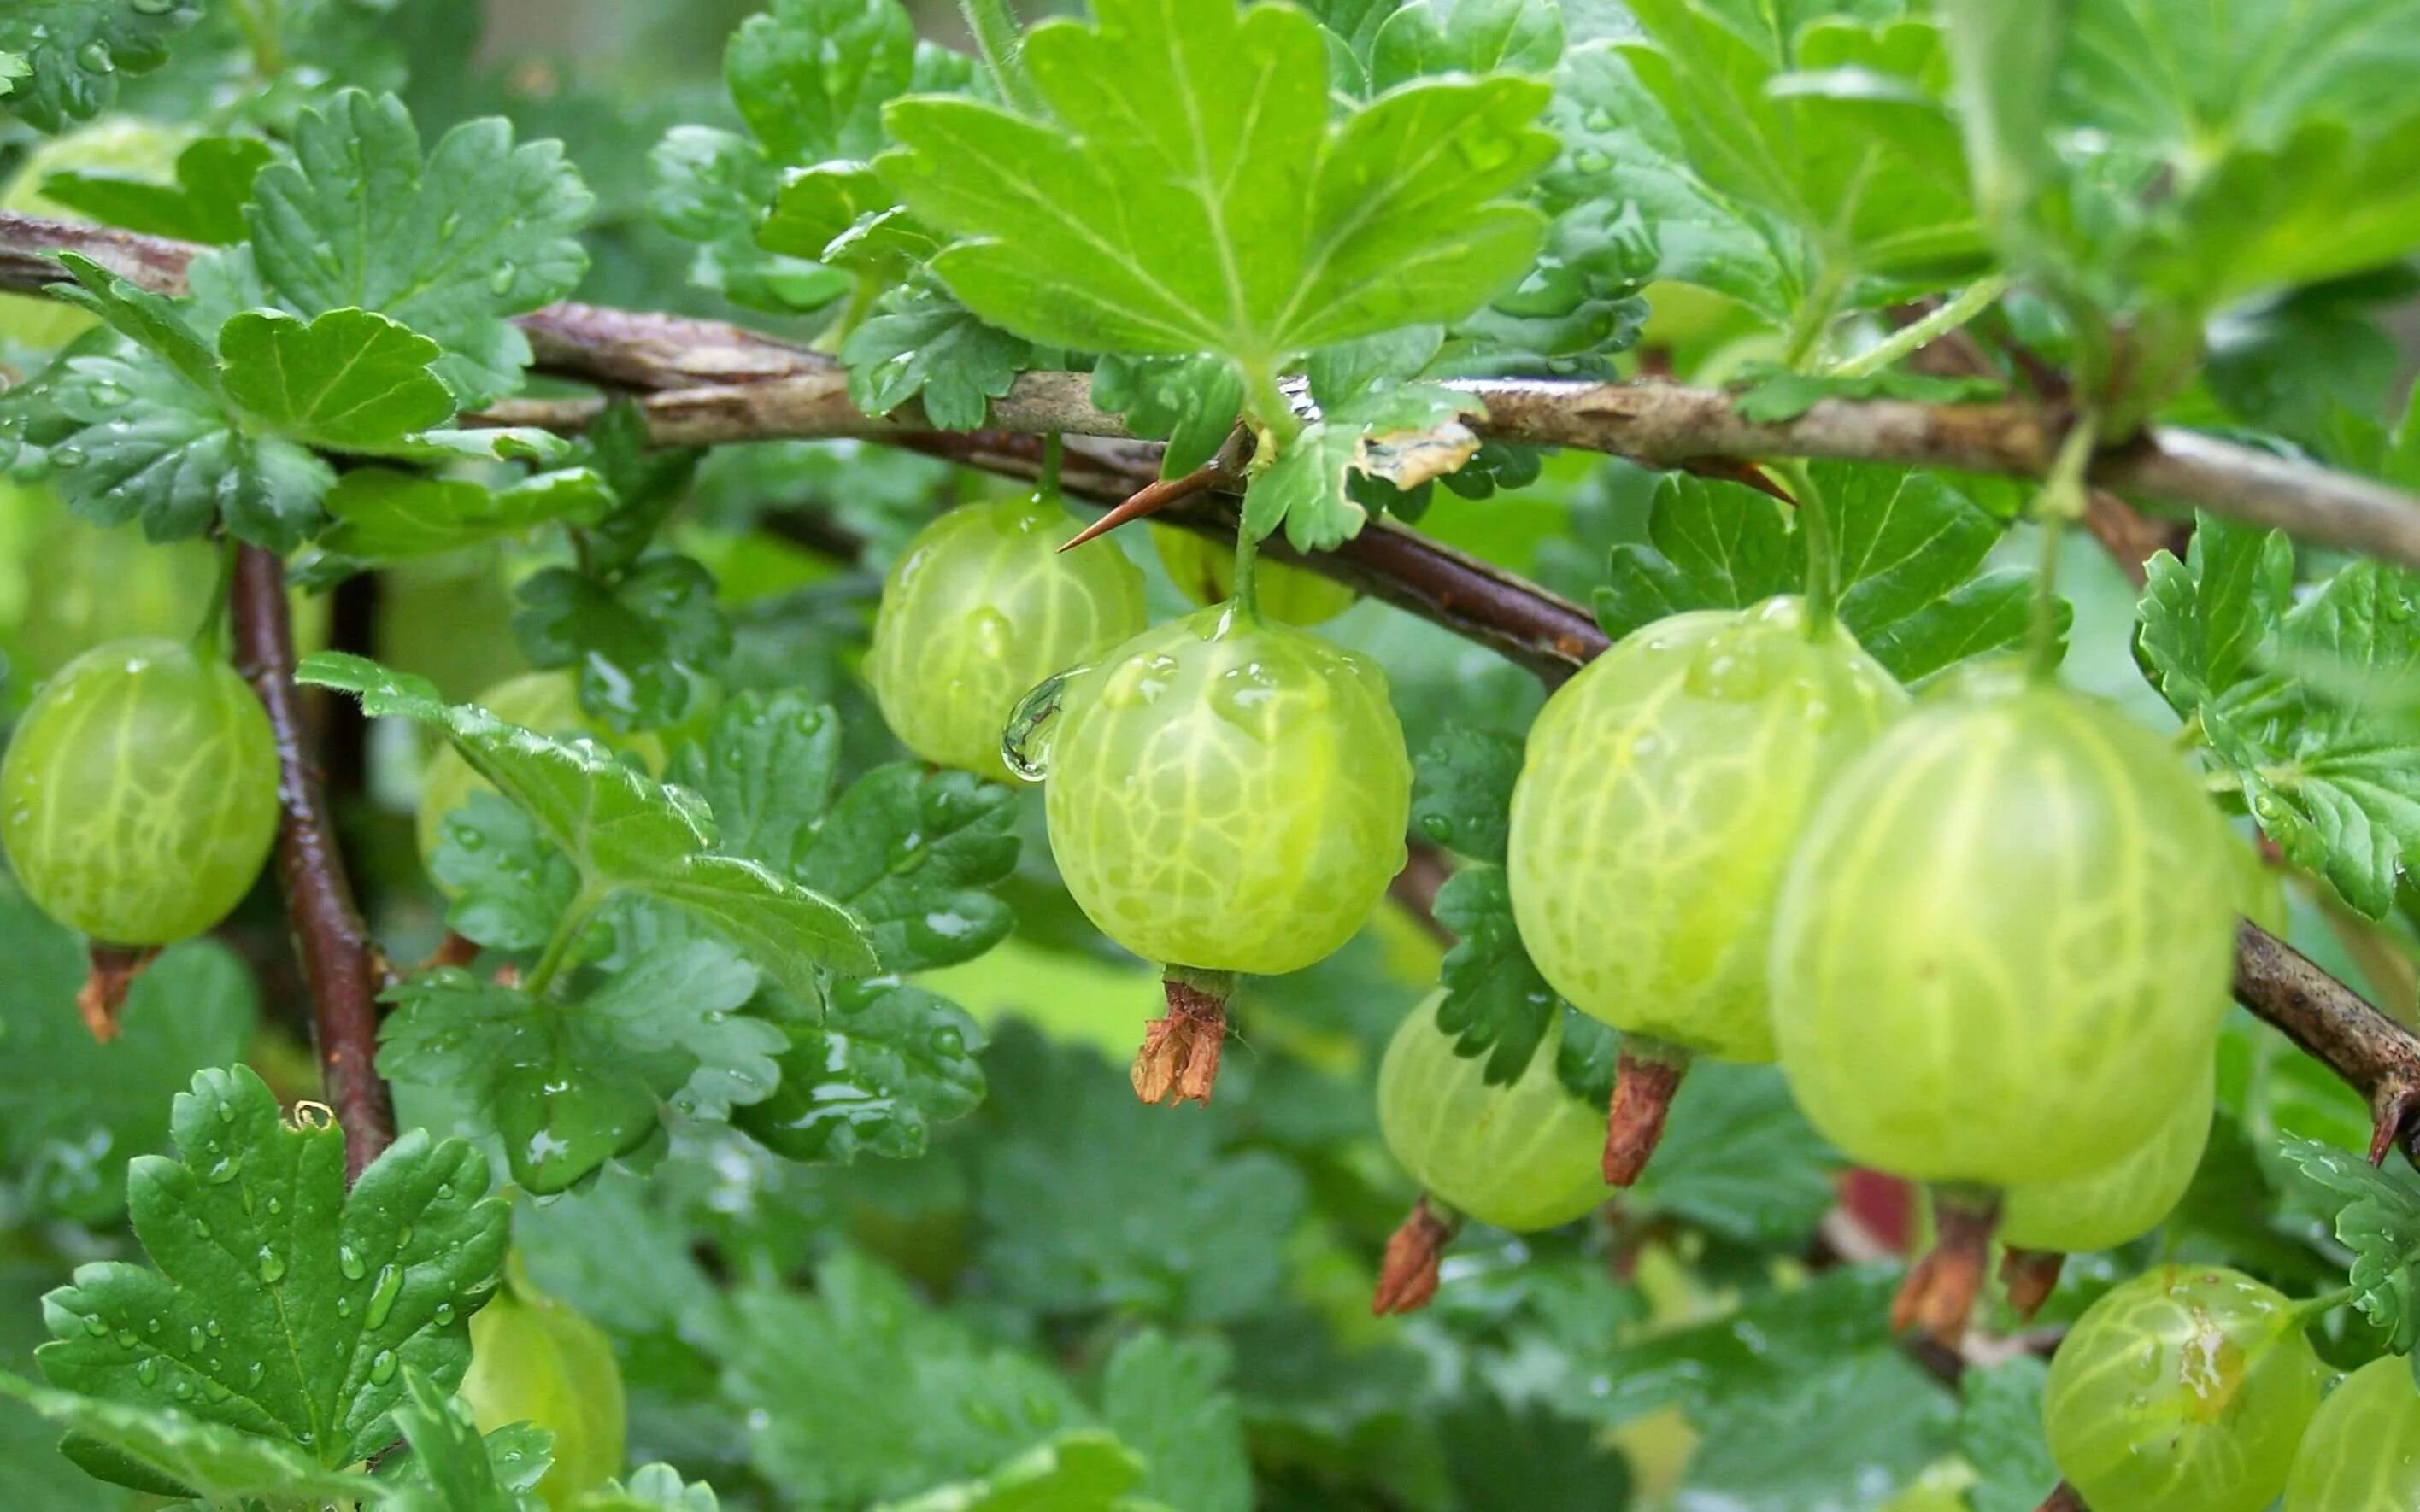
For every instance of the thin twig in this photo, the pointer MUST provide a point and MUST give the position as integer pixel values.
(339, 962)
(708, 381)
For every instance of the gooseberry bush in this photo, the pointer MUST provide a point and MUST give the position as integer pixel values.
(1375, 754)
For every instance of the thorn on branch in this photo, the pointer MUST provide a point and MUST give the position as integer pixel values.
(1407, 1277)
(112, 976)
(1151, 499)
(2391, 1109)
(1179, 1058)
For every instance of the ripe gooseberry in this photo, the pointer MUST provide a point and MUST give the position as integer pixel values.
(2362, 1452)
(2185, 1390)
(138, 798)
(1205, 571)
(1661, 793)
(2102, 1209)
(1521, 1156)
(2002, 949)
(1226, 796)
(535, 1360)
(980, 607)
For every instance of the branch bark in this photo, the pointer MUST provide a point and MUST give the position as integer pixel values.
(339, 962)
(708, 382)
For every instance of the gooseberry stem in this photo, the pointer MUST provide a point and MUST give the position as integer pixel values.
(1822, 555)
(1965, 305)
(1054, 454)
(557, 954)
(1646, 1078)
(210, 636)
(1813, 320)
(997, 39)
(2307, 1313)
(1279, 428)
(2061, 500)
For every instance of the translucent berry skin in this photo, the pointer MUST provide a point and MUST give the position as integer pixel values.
(1522, 1157)
(2362, 1453)
(2185, 1390)
(2120, 1201)
(547, 703)
(534, 1360)
(1661, 793)
(2004, 942)
(1228, 795)
(1205, 571)
(979, 609)
(139, 795)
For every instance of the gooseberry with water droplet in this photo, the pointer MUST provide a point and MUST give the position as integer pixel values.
(2362, 1452)
(980, 607)
(1227, 794)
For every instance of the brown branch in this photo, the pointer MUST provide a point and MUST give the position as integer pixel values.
(708, 381)
(699, 362)
(2375, 1055)
(339, 963)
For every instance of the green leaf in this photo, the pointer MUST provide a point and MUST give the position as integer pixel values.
(1711, 545)
(650, 1488)
(922, 344)
(710, 187)
(152, 321)
(509, 884)
(768, 770)
(73, 1111)
(1196, 179)
(1495, 1001)
(2329, 766)
(910, 852)
(1081, 1186)
(74, 53)
(169, 1451)
(811, 76)
(451, 244)
(645, 483)
(1403, 437)
(2000, 1434)
(1907, 544)
(568, 1085)
(1628, 205)
(1842, 131)
(284, 1306)
(624, 831)
(1462, 791)
(2378, 1218)
(873, 1075)
(451, 1468)
(1739, 1159)
(1831, 1439)
(385, 515)
(345, 382)
(1191, 402)
(869, 1394)
(643, 640)
(1439, 36)
(1502, 1458)
(2207, 619)
(147, 446)
(1168, 1399)
(1770, 1345)
(1085, 1470)
(206, 204)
